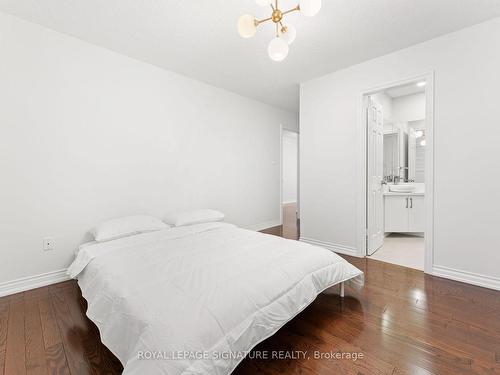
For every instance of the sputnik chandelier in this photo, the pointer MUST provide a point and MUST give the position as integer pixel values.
(285, 33)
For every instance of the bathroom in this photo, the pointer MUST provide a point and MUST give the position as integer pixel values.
(402, 184)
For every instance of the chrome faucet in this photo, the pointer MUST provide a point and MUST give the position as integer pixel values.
(399, 175)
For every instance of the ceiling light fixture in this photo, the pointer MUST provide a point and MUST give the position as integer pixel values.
(421, 84)
(285, 34)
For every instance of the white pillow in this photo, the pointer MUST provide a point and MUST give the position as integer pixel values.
(127, 226)
(179, 219)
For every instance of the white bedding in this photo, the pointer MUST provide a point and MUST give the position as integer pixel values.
(196, 299)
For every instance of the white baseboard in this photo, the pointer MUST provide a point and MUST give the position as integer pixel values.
(32, 282)
(265, 225)
(331, 246)
(467, 277)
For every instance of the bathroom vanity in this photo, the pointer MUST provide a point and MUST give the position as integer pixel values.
(403, 181)
(404, 211)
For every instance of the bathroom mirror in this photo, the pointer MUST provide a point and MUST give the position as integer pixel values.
(395, 152)
(391, 154)
(404, 151)
(416, 151)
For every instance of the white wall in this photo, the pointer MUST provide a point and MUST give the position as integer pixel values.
(401, 109)
(290, 161)
(408, 108)
(87, 135)
(467, 139)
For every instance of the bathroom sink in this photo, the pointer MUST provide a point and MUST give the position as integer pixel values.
(402, 188)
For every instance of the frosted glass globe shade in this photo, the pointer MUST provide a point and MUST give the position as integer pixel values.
(246, 26)
(278, 49)
(310, 8)
(264, 3)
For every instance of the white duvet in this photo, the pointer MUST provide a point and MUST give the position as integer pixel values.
(197, 299)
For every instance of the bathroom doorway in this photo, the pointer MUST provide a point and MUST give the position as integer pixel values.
(398, 182)
(290, 184)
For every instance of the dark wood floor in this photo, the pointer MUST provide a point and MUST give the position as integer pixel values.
(402, 322)
(291, 227)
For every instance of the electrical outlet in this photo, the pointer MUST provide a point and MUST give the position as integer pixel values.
(48, 244)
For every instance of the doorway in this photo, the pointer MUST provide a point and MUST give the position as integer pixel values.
(289, 184)
(398, 181)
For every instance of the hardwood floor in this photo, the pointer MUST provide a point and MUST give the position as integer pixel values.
(45, 331)
(291, 227)
(401, 322)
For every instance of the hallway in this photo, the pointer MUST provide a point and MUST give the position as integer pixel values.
(291, 224)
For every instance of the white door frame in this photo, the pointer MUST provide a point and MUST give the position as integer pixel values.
(429, 166)
(281, 174)
(283, 129)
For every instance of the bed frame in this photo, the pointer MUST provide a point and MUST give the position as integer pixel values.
(336, 288)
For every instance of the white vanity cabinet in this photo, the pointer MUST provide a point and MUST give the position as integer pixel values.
(416, 214)
(404, 213)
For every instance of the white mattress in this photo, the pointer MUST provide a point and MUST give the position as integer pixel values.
(197, 299)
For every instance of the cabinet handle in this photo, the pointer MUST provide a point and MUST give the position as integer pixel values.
(406, 202)
(411, 202)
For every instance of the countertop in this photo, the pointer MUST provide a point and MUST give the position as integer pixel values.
(413, 193)
(419, 191)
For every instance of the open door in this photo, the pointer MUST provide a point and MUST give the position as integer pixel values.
(375, 162)
(412, 153)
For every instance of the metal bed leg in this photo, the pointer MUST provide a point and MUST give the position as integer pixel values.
(342, 290)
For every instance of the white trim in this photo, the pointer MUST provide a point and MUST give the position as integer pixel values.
(32, 282)
(342, 249)
(429, 168)
(467, 277)
(430, 192)
(289, 202)
(264, 225)
(282, 129)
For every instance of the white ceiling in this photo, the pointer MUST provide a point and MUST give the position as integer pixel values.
(404, 90)
(198, 38)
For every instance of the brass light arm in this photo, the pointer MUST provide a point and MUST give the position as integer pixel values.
(285, 33)
(284, 29)
(277, 16)
(258, 22)
(297, 8)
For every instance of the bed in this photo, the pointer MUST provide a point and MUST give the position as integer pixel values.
(196, 299)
